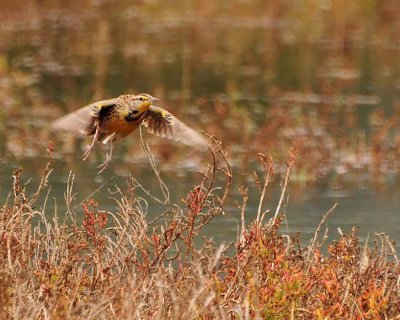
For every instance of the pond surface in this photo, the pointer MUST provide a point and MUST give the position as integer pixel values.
(372, 209)
(263, 76)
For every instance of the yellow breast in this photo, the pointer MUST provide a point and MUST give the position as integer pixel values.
(120, 126)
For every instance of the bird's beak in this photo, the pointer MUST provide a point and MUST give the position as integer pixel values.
(151, 99)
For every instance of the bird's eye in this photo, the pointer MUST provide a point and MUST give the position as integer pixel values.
(141, 99)
(135, 111)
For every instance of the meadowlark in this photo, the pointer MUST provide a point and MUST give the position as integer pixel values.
(113, 119)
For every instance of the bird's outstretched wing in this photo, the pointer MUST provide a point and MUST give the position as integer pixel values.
(162, 123)
(82, 121)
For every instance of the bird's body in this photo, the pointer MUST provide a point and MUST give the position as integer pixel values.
(117, 117)
(109, 120)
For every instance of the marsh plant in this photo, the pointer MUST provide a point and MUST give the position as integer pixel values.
(90, 263)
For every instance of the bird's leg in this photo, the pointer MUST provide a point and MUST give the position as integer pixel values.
(107, 162)
(90, 149)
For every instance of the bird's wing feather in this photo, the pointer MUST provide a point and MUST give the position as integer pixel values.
(162, 123)
(82, 120)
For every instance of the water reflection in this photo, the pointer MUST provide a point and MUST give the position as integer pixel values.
(263, 76)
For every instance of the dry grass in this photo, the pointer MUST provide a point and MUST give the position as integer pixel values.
(118, 265)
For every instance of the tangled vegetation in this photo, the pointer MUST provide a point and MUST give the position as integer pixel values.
(118, 265)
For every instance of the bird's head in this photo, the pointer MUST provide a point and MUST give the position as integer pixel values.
(141, 102)
(137, 104)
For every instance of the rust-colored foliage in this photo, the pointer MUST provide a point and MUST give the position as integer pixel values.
(93, 220)
(118, 265)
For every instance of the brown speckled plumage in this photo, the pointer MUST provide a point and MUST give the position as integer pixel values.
(109, 120)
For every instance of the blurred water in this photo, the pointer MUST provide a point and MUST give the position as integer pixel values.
(365, 207)
(261, 75)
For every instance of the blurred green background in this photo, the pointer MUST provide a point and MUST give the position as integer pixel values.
(322, 76)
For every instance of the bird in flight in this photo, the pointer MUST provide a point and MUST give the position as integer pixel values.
(110, 120)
